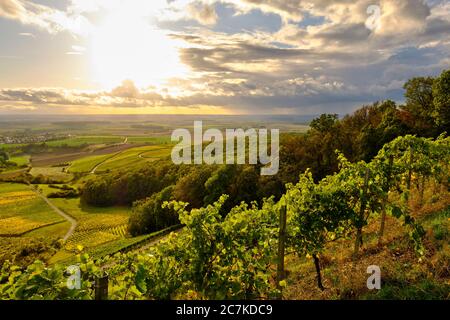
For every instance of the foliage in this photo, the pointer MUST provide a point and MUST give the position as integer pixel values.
(441, 94)
(149, 215)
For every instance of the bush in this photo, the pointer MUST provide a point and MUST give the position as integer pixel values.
(149, 216)
(64, 194)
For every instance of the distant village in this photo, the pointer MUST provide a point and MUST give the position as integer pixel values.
(32, 138)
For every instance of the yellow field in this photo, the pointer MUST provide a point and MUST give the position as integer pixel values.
(96, 226)
(17, 225)
(14, 197)
(26, 220)
(21, 210)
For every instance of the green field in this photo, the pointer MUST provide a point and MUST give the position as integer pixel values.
(88, 164)
(150, 140)
(128, 158)
(8, 147)
(133, 157)
(21, 160)
(85, 140)
(55, 173)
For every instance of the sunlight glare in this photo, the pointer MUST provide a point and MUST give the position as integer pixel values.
(125, 46)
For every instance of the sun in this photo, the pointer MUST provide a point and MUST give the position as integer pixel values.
(125, 46)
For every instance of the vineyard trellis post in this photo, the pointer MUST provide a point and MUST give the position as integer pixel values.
(281, 247)
(101, 288)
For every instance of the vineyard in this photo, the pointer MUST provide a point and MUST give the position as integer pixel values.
(26, 222)
(127, 158)
(22, 211)
(134, 157)
(96, 227)
(250, 252)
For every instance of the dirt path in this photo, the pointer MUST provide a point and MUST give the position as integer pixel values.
(73, 222)
(114, 155)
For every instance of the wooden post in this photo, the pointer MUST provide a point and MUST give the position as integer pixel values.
(358, 240)
(101, 288)
(281, 247)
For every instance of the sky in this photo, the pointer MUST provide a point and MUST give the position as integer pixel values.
(215, 56)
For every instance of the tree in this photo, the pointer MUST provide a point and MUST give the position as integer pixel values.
(219, 182)
(441, 94)
(149, 215)
(3, 156)
(191, 188)
(324, 123)
(419, 102)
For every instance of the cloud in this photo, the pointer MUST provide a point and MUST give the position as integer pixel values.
(43, 17)
(334, 65)
(27, 34)
(203, 13)
(76, 50)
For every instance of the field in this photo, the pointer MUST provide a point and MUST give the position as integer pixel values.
(21, 211)
(88, 164)
(21, 160)
(55, 173)
(127, 158)
(134, 157)
(25, 219)
(85, 140)
(96, 226)
(150, 140)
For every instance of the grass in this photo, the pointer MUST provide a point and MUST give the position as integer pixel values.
(135, 156)
(403, 274)
(21, 160)
(85, 140)
(150, 140)
(127, 158)
(55, 173)
(8, 147)
(88, 164)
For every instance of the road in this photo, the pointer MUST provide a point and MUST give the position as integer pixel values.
(73, 222)
(99, 164)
